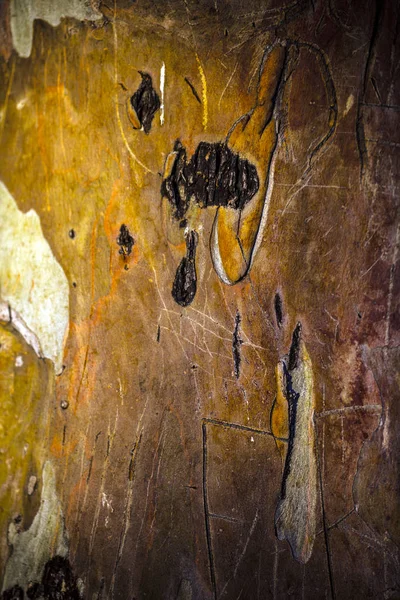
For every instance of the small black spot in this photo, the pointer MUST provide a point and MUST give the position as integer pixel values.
(278, 309)
(146, 102)
(226, 33)
(74, 284)
(295, 348)
(125, 241)
(183, 223)
(158, 334)
(185, 284)
(71, 233)
(214, 176)
(14, 593)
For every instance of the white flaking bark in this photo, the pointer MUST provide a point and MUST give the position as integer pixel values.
(45, 538)
(24, 12)
(34, 291)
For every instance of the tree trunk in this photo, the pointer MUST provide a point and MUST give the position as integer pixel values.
(199, 299)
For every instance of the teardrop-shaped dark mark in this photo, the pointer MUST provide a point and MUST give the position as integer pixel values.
(146, 102)
(125, 241)
(214, 176)
(278, 309)
(236, 343)
(185, 283)
(295, 348)
(14, 593)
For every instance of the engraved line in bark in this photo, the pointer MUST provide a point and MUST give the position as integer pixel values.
(235, 238)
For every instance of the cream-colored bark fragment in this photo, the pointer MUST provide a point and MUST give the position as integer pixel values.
(32, 283)
(24, 12)
(45, 538)
(295, 517)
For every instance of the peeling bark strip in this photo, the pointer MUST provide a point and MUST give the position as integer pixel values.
(214, 176)
(125, 241)
(236, 239)
(144, 104)
(295, 516)
(236, 343)
(185, 283)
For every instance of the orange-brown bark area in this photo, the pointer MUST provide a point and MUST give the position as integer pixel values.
(178, 423)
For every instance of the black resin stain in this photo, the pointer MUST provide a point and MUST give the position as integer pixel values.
(14, 593)
(236, 343)
(174, 187)
(185, 283)
(214, 176)
(58, 583)
(292, 397)
(295, 348)
(145, 101)
(278, 309)
(125, 241)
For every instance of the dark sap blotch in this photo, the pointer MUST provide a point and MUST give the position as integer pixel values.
(292, 397)
(185, 283)
(14, 593)
(278, 309)
(295, 348)
(214, 176)
(236, 343)
(58, 583)
(125, 241)
(145, 102)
